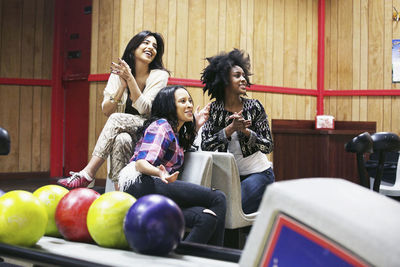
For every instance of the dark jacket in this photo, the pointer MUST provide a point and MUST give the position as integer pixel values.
(213, 137)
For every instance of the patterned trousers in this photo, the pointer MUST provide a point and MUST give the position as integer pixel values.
(117, 140)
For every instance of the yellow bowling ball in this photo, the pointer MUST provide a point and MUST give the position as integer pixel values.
(50, 195)
(23, 218)
(105, 219)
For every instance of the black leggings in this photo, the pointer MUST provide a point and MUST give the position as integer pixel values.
(193, 200)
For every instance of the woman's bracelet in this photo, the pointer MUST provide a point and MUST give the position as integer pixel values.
(112, 100)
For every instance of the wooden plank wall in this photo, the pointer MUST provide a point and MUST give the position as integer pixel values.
(279, 35)
(26, 49)
(358, 55)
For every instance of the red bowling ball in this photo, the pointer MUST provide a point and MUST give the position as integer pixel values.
(71, 214)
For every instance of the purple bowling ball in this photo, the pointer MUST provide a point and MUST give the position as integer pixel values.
(154, 225)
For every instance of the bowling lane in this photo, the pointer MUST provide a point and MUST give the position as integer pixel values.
(116, 257)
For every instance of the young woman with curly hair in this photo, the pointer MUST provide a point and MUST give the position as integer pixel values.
(238, 125)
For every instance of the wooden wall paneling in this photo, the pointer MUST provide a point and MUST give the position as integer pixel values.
(126, 25)
(387, 64)
(149, 15)
(345, 55)
(211, 37)
(26, 92)
(212, 29)
(259, 58)
(37, 90)
(301, 57)
(222, 28)
(311, 57)
(290, 57)
(10, 67)
(138, 16)
(116, 52)
(162, 19)
(107, 52)
(46, 127)
(105, 40)
(269, 50)
(181, 52)
(196, 46)
(233, 9)
(364, 39)
(171, 37)
(243, 38)
(248, 38)
(314, 44)
(355, 101)
(375, 61)
(48, 32)
(278, 57)
(302, 44)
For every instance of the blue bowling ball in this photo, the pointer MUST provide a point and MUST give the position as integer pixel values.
(154, 225)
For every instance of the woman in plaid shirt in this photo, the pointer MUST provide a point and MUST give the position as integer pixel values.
(159, 155)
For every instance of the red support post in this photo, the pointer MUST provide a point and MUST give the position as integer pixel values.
(321, 57)
(57, 95)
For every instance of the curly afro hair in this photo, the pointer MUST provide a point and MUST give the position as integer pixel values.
(216, 76)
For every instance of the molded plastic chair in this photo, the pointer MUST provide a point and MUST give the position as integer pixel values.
(384, 142)
(360, 145)
(197, 170)
(225, 177)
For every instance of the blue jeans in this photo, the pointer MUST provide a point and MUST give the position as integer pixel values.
(253, 187)
(193, 199)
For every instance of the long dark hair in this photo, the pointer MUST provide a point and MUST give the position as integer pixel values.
(216, 76)
(134, 43)
(164, 106)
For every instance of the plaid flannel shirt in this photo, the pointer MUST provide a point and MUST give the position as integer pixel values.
(159, 145)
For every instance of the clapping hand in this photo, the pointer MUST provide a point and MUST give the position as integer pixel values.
(202, 115)
(165, 176)
(123, 70)
(239, 123)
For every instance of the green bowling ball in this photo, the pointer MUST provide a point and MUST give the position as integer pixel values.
(105, 219)
(50, 195)
(23, 218)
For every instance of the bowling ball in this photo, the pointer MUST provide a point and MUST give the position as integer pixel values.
(50, 195)
(105, 219)
(1, 192)
(154, 225)
(23, 218)
(71, 214)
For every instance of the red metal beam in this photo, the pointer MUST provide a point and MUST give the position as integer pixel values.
(321, 57)
(382, 92)
(198, 83)
(57, 94)
(283, 90)
(23, 81)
